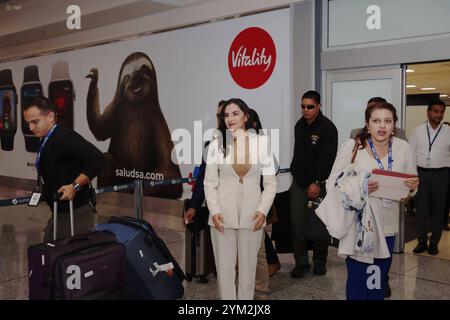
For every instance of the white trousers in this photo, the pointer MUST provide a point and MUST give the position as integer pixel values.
(241, 244)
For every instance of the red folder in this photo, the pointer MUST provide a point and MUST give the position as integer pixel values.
(393, 173)
(390, 184)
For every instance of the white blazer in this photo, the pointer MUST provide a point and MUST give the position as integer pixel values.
(222, 186)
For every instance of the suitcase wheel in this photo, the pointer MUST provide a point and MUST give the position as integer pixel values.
(203, 279)
(188, 277)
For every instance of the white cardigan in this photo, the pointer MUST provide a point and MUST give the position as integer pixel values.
(339, 223)
(222, 186)
(403, 161)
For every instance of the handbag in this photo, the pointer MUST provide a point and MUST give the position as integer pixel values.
(313, 229)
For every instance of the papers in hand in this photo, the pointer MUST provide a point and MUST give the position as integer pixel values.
(391, 184)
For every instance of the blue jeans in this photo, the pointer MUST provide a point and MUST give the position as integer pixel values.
(358, 274)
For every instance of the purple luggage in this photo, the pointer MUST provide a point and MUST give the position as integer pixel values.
(89, 266)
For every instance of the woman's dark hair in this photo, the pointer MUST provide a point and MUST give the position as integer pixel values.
(364, 134)
(376, 100)
(254, 120)
(221, 103)
(223, 127)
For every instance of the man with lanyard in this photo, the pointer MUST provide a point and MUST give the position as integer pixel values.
(316, 143)
(66, 163)
(430, 143)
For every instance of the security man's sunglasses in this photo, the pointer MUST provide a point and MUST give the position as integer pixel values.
(308, 106)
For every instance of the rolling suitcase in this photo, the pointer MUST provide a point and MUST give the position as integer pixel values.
(88, 266)
(199, 255)
(151, 270)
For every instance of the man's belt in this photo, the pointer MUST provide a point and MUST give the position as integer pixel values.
(431, 169)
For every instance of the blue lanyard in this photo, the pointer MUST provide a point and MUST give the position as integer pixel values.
(430, 143)
(376, 155)
(38, 157)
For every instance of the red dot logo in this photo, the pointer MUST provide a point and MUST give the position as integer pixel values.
(252, 58)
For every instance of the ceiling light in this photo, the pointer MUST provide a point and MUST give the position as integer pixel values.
(410, 70)
(410, 85)
(443, 95)
(427, 89)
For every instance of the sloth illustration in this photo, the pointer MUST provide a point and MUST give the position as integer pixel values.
(140, 137)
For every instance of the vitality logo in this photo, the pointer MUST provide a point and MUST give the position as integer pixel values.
(252, 57)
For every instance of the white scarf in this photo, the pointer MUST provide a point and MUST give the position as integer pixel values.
(347, 213)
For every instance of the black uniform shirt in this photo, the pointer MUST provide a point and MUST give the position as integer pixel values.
(314, 151)
(65, 155)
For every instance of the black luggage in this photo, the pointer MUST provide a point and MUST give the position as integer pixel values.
(88, 266)
(151, 270)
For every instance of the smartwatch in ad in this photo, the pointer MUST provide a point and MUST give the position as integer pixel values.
(61, 93)
(31, 88)
(8, 110)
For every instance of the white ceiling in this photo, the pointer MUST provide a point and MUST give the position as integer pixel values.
(430, 75)
(22, 21)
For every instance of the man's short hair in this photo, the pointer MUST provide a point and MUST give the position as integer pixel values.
(435, 102)
(376, 100)
(311, 94)
(42, 103)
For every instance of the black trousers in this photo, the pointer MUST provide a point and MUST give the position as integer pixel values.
(84, 222)
(298, 212)
(430, 202)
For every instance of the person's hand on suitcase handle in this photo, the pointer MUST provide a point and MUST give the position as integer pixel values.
(67, 192)
(70, 190)
(189, 215)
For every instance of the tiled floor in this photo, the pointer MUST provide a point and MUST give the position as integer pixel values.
(412, 276)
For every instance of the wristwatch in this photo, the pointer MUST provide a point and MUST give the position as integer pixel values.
(61, 93)
(8, 110)
(31, 88)
(76, 186)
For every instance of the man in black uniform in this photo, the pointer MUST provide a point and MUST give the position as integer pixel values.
(66, 163)
(316, 140)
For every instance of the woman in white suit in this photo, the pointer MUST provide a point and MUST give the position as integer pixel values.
(238, 207)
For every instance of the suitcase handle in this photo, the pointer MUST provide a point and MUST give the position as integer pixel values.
(75, 239)
(55, 215)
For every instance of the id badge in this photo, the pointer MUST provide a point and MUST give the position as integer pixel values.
(387, 203)
(429, 161)
(35, 197)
